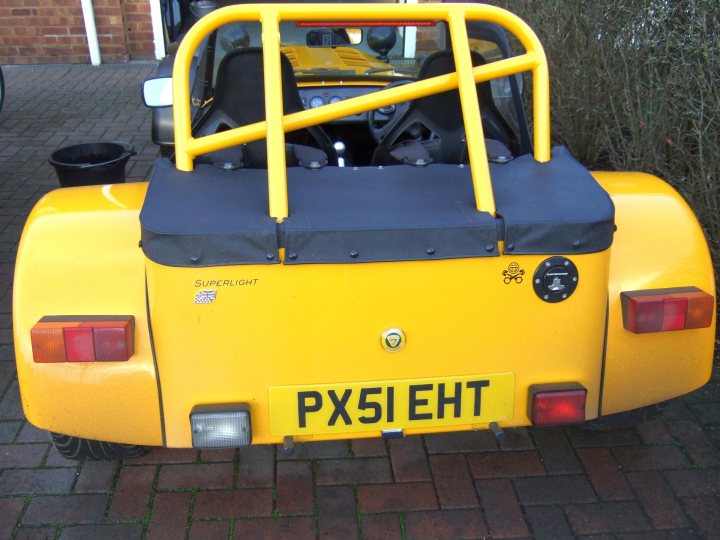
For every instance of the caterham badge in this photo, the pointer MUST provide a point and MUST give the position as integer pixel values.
(393, 339)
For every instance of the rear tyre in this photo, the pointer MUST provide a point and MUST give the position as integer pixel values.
(80, 449)
(628, 418)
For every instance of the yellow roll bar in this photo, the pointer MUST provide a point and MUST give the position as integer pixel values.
(276, 123)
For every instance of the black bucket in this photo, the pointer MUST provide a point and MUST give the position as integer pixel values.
(91, 163)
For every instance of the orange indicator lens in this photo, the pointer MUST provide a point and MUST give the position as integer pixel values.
(48, 343)
(700, 310)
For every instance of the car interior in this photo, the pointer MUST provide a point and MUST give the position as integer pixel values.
(423, 131)
(239, 100)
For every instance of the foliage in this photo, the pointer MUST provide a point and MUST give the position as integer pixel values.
(634, 87)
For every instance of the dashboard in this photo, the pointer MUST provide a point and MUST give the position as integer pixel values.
(317, 96)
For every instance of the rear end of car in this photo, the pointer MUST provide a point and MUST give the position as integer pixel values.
(387, 308)
(377, 301)
(293, 304)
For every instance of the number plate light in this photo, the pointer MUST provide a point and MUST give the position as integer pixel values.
(221, 426)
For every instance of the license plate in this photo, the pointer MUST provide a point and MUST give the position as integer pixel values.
(399, 404)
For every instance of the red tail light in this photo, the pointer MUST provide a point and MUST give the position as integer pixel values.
(660, 310)
(558, 407)
(351, 24)
(79, 344)
(83, 339)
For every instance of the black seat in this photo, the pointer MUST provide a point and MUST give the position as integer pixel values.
(240, 100)
(437, 120)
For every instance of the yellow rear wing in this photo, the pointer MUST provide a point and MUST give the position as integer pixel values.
(276, 124)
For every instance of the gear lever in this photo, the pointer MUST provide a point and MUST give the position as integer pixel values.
(340, 149)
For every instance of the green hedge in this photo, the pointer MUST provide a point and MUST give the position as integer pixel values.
(635, 85)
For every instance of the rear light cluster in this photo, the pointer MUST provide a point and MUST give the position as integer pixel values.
(553, 407)
(660, 310)
(83, 339)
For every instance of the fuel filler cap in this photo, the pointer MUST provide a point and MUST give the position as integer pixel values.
(555, 279)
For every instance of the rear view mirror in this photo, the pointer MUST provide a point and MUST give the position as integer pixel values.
(157, 92)
(333, 37)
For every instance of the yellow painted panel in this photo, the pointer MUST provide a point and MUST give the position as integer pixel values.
(321, 324)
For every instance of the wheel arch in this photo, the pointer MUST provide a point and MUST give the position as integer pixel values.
(79, 255)
(658, 244)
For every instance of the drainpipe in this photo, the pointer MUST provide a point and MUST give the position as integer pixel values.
(91, 31)
(157, 25)
(410, 37)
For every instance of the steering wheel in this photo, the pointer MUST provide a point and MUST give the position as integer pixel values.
(379, 130)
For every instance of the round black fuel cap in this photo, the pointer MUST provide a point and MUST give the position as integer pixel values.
(555, 279)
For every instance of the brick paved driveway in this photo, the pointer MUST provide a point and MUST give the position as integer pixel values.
(661, 480)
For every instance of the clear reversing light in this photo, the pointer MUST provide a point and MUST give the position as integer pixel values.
(221, 426)
(661, 310)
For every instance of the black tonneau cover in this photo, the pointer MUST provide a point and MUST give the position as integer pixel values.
(395, 213)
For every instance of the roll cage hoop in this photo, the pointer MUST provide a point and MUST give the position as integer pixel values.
(276, 123)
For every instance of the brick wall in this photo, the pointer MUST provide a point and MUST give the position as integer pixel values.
(138, 26)
(53, 31)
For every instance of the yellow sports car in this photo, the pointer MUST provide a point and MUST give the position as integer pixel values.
(355, 235)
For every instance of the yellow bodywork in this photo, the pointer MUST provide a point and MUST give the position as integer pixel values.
(274, 328)
(336, 58)
(282, 328)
